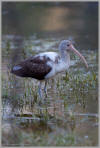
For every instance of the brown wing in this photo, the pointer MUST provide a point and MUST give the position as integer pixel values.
(34, 67)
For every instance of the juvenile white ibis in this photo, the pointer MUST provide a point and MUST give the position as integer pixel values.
(46, 65)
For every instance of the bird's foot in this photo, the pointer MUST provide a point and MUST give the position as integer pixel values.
(42, 100)
(45, 96)
(45, 92)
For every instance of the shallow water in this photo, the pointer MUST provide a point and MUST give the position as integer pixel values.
(69, 115)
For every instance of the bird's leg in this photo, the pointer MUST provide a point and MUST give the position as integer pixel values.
(40, 97)
(45, 88)
(40, 91)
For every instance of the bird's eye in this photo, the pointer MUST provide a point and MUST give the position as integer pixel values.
(68, 44)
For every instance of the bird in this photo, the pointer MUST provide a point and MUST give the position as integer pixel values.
(46, 65)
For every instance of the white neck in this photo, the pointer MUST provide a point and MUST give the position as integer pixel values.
(65, 56)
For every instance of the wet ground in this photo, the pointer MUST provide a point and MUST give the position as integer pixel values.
(69, 115)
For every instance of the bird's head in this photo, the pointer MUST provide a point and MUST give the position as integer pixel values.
(67, 46)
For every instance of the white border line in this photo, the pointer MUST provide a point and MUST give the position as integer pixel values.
(50, 0)
(0, 75)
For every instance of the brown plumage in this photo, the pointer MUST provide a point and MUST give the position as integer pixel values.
(33, 67)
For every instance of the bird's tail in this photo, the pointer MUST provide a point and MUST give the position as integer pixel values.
(18, 70)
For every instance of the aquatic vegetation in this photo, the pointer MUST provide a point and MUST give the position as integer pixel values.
(72, 83)
(65, 140)
(64, 109)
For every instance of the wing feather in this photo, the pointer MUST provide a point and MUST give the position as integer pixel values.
(34, 67)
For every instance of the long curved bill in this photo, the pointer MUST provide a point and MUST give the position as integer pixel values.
(79, 54)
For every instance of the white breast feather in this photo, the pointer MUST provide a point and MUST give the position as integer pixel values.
(56, 68)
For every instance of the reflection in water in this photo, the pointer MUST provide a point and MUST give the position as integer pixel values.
(71, 108)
